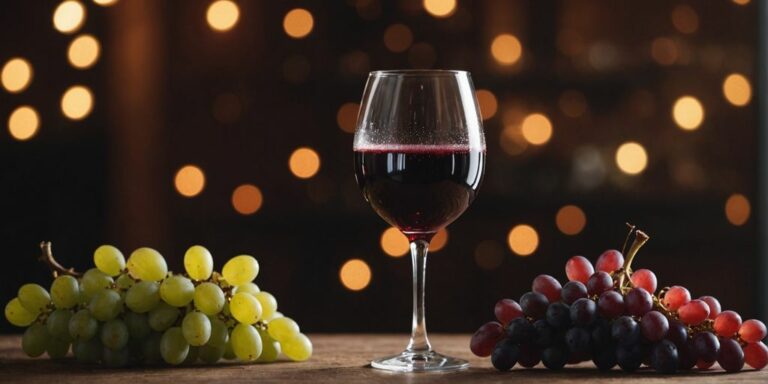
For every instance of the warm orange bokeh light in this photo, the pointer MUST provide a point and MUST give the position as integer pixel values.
(298, 23)
(16, 75)
(83, 51)
(23, 123)
(69, 16)
(247, 199)
(355, 274)
(631, 158)
(440, 8)
(523, 240)
(398, 38)
(487, 102)
(737, 209)
(506, 49)
(394, 243)
(737, 90)
(189, 180)
(688, 113)
(77, 102)
(222, 15)
(346, 117)
(536, 129)
(570, 220)
(304, 163)
(439, 241)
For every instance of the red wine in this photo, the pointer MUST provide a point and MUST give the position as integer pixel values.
(419, 189)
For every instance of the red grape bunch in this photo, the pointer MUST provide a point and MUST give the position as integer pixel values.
(613, 315)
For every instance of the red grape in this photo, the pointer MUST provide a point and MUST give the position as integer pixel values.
(756, 355)
(730, 357)
(638, 301)
(485, 338)
(645, 279)
(654, 326)
(547, 286)
(609, 261)
(572, 291)
(507, 310)
(752, 331)
(676, 297)
(599, 282)
(714, 306)
(578, 268)
(727, 323)
(610, 304)
(694, 312)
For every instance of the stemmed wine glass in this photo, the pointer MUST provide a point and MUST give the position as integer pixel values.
(419, 160)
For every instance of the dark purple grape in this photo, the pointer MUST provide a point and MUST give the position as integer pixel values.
(664, 357)
(485, 338)
(578, 340)
(731, 356)
(638, 302)
(610, 304)
(629, 357)
(547, 286)
(534, 305)
(601, 335)
(687, 355)
(559, 315)
(530, 355)
(572, 291)
(505, 355)
(555, 357)
(706, 346)
(677, 333)
(598, 283)
(583, 312)
(654, 326)
(520, 330)
(604, 358)
(545, 334)
(625, 331)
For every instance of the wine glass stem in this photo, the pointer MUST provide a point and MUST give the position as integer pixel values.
(419, 342)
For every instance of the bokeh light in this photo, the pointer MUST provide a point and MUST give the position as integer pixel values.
(394, 243)
(69, 16)
(489, 254)
(398, 38)
(439, 241)
(105, 3)
(737, 209)
(298, 23)
(664, 51)
(440, 8)
(16, 75)
(685, 19)
(83, 51)
(536, 129)
(77, 102)
(346, 117)
(189, 180)
(23, 123)
(506, 49)
(737, 90)
(631, 158)
(247, 199)
(355, 274)
(570, 220)
(523, 240)
(741, 2)
(222, 15)
(487, 102)
(573, 103)
(304, 163)
(688, 113)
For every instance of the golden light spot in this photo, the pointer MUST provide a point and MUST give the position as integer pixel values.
(304, 163)
(664, 51)
(16, 75)
(83, 51)
(346, 117)
(298, 23)
(631, 158)
(189, 180)
(506, 49)
(69, 16)
(570, 220)
(737, 89)
(77, 102)
(489, 254)
(537, 129)
(523, 240)
(572, 103)
(355, 274)
(487, 102)
(247, 199)
(440, 8)
(685, 19)
(741, 2)
(222, 15)
(394, 243)
(439, 240)
(688, 113)
(105, 3)
(737, 209)
(398, 38)
(23, 123)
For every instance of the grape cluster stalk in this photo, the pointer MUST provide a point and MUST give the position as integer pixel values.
(135, 311)
(612, 315)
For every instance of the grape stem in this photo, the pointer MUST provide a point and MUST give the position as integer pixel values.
(626, 270)
(47, 257)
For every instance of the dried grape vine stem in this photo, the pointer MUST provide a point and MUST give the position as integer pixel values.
(57, 269)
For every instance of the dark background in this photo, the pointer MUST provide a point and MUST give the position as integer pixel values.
(158, 105)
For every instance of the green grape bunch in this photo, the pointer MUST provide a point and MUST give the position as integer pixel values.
(136, 311)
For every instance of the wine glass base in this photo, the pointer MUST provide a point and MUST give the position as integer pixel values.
(419, 362)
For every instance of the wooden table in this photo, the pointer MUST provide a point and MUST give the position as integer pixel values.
(337, 359)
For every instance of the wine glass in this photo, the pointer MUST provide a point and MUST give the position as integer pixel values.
(419, 160)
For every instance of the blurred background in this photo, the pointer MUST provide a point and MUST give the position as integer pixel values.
(229, 124)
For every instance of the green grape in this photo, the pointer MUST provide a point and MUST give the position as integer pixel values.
(271, 348)
(173, 347)
(57, 348)
(275, 315)
(198, 262)
(247, 288)
(138, 324)
(35, 340)
(116, 358)
(162, 317)
(124, 281)
(147, 264)
(105, 305)
(65, 292)
(143, 296)
(109, 260)
(114, 334)
(17, 314)
(219, 333)
(240, 270)
(194, 353)
(229, 354)
(93, 282)
(210, 354)
(297, 348)
(57, 324)
(283, 328)
(177, 290)
(268, 304)
(34, 298)
(196, 328)
(82, 326)
(87, 351)
(245, 308)
(246, 342)
(209, 298)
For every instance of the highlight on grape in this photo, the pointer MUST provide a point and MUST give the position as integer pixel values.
(135, 311)
(613, 315)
